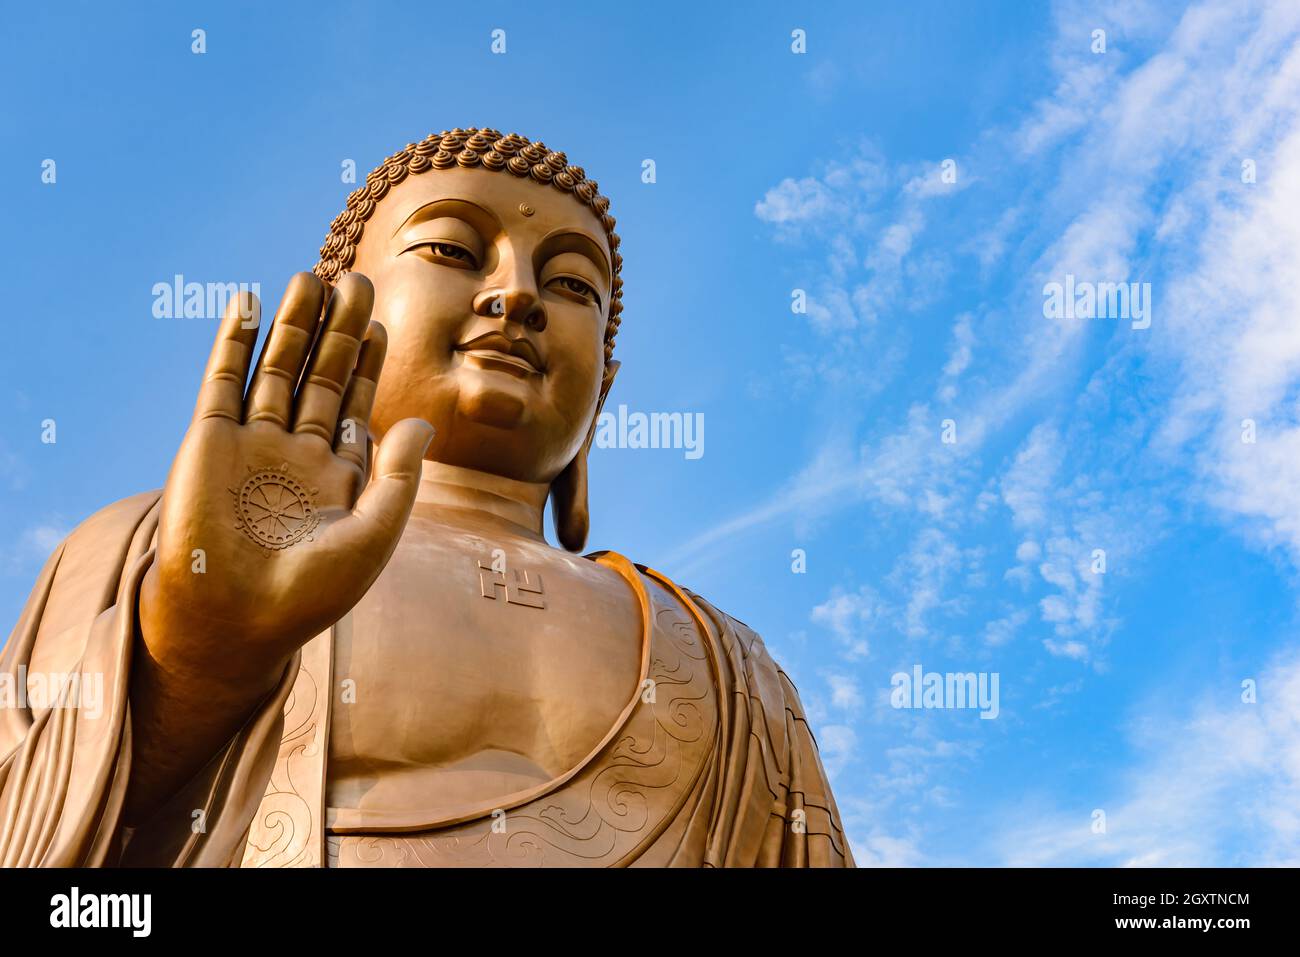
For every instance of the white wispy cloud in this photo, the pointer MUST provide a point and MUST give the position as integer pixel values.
(36, 542)
(795, 201)
(850, 616)
(1076, 437)
(1217, 785)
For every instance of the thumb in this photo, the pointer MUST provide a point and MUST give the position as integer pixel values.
(388, 497)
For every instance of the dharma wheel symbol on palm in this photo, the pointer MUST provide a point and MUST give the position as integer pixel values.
(274, 509)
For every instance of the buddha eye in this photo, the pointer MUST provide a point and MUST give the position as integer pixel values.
(450, 254)
(577, 287)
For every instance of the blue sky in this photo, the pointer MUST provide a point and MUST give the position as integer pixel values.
(776, 171)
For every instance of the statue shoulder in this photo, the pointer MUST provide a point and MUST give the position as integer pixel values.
(87, 564)
(130, 510)
(750, 641)
(762, 669)
(115, 522)
(80, 580)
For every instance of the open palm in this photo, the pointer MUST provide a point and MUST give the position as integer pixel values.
(273, 524)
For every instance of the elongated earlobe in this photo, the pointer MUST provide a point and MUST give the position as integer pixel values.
(569, 504)
(569, 490)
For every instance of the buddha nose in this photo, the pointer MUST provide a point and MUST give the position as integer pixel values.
(515, 303)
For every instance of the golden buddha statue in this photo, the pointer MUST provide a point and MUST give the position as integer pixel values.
(338, 636)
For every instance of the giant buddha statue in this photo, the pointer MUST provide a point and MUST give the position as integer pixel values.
(338, 636)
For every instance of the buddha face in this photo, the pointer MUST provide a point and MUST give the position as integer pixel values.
(494, 291)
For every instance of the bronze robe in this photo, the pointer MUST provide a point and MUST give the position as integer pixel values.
(711, 764)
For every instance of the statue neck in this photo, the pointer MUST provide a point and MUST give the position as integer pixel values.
(482, 499)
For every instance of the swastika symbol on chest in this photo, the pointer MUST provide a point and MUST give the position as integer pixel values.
(517, 585)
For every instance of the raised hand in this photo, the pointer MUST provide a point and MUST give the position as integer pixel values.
(272, 524)
(269, 531)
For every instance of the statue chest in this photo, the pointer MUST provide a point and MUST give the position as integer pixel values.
(521, 787)
(474, 668)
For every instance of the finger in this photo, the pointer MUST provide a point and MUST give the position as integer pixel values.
(382, 509)
(354, 418)
(333, 357)
(222, 392)
(270, 397)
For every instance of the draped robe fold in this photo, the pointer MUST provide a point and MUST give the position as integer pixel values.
(711, 764)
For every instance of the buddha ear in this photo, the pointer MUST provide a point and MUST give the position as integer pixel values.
(569, 490)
